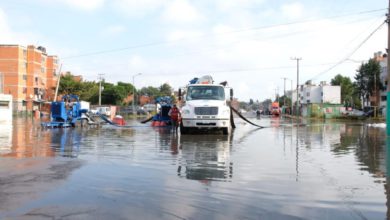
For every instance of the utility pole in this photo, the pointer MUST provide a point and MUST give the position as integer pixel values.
(100, 88)
(58, 83)
(133, 104)
(388, 74)
(284, 98)
(297, 107)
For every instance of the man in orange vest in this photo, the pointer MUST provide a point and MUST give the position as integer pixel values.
(175, 115)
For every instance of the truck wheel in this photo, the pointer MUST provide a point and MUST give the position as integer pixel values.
(183, 130)
(225, 131)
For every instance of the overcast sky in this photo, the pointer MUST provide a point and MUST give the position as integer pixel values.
(249, 43)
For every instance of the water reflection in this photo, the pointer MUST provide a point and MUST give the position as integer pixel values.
(317, 171)
(5, 138)
(66, 142)
(365, 142)
(205, 158)
(26, 140)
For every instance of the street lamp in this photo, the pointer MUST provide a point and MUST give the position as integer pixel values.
(134, 91)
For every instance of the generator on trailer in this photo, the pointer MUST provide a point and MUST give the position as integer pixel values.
(205, 106)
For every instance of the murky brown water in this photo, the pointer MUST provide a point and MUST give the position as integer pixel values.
(319, 171)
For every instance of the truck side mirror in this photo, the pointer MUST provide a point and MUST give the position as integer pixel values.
(179, 94)
(231, 94)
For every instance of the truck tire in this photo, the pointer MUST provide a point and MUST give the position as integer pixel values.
(183, 130)
(225, 131)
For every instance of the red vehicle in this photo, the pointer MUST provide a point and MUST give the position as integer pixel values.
(275, 109)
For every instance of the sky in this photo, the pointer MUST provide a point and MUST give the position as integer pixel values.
(251, 44)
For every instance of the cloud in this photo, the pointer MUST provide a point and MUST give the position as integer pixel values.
(9, 36)
(181, 11)
(113, 30)
(293, 10)
(229, 5)
(183, 34)
(87, 5)
(138, 8)
(5, 32)
(136, 63)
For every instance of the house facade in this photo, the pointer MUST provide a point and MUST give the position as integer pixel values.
(323, 99)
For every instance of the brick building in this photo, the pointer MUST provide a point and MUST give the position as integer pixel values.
(28, 74)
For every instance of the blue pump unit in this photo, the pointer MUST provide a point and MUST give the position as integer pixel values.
(66, 112)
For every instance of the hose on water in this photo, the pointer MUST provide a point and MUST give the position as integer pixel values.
(115, 124)
(232, 119)
(147, 120)
(242, 117)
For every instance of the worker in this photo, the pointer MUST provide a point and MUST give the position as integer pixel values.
(175, 115)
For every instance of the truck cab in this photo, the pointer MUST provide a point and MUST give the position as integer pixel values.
(205, 106)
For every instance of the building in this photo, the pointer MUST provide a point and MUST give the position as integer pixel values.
(317, 100)
(28, 74)
(317, 94)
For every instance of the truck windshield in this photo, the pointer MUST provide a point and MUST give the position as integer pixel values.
(205, 92)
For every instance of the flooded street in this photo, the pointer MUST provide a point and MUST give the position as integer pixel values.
(331, 170)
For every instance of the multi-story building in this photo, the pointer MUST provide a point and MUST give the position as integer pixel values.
(317, 94)
(28, 74)
(321, 100)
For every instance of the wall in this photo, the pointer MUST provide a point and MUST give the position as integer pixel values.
(331, 94)
(28, 75)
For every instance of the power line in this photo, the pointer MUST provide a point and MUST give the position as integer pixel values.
(222, 33)
(351, 53)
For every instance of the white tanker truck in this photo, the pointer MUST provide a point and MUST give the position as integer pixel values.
(206, 106)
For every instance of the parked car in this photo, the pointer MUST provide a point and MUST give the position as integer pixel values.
(355, 112)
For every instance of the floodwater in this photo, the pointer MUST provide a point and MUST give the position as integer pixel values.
(331, 170)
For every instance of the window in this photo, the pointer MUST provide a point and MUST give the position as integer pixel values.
(24, 77)
(308, 94)
(36, 80)
(25, 54)
(4, 104)
(24, 90)
(42, 69)
(206, 92)
(383, 98)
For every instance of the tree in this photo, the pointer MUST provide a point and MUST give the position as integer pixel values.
(347, 89)
(367, 80)
(68, 85)
(150, 91)
(285, 101)
(127, 88)
(166, 90)
(113, 95)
